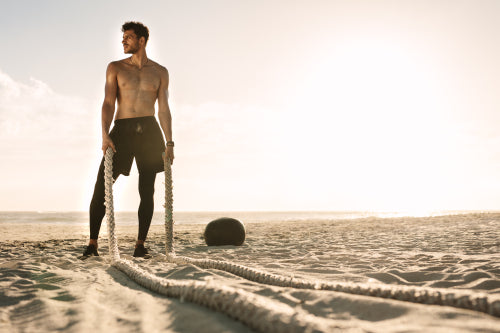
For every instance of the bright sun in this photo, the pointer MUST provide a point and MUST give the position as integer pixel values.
(376, 125)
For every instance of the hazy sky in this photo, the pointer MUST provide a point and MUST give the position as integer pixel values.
(277, 105)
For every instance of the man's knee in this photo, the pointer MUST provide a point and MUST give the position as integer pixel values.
(146, 193)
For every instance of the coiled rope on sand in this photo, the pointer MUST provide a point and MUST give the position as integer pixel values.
(257, 312)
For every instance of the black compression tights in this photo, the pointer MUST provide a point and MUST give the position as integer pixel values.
(146, 207)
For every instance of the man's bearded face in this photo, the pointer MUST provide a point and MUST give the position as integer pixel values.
(130, 42)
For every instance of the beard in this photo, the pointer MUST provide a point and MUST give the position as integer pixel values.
(132, 49)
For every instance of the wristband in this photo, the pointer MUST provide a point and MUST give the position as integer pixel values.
(170, 143)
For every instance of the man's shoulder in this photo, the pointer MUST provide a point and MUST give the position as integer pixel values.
(114, 65)
(158, 66)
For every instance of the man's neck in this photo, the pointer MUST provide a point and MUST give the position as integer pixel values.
(139, 58)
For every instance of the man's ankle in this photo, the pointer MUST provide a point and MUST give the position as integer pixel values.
(139, 242)
(93, 242)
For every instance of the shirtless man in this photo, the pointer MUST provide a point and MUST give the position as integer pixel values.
(135, 83)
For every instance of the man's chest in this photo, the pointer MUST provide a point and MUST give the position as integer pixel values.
(144, 79)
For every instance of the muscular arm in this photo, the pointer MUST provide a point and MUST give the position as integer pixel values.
(108, 106)
(164, 114)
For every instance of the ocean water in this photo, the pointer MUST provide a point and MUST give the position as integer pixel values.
(130, 218)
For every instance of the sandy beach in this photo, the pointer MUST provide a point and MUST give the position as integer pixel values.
(44, 287)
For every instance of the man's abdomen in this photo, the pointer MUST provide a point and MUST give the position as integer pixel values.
(132, 104)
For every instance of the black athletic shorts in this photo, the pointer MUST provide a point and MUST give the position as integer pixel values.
(141, 138)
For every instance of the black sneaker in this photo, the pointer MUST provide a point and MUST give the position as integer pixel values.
(91, 250)
(141, 251)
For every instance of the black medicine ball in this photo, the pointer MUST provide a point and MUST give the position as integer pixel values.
(224, 231)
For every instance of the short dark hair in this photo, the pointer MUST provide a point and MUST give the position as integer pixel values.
(139, 29)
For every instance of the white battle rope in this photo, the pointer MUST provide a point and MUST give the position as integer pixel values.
(257, 312)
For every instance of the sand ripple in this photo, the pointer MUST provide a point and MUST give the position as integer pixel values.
(44, 287)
